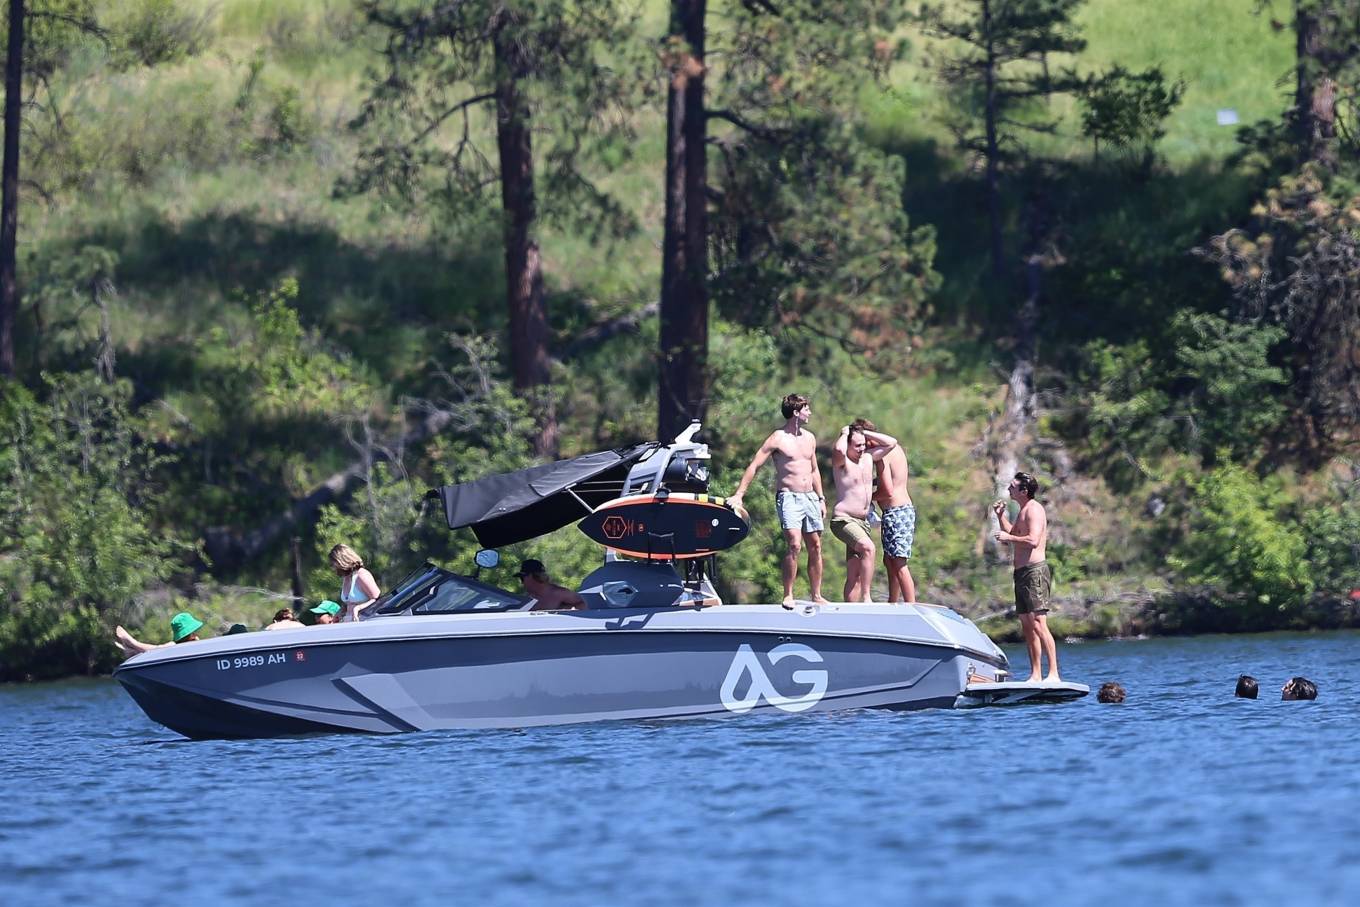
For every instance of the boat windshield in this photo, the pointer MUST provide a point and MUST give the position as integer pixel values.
(399, 599)
(432, 590)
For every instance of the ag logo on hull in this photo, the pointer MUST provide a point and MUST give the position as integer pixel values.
(746, 664)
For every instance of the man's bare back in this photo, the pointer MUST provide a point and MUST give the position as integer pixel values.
(552, 597)
(892, 480)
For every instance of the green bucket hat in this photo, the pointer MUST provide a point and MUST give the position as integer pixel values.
(184, 624)
(327, 607)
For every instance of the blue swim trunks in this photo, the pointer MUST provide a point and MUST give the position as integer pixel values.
(799, 510)
(899, 531)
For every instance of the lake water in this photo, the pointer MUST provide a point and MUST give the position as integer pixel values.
(1182, 795)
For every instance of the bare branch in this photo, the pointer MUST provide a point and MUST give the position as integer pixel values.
(736, 120)
(456, 108)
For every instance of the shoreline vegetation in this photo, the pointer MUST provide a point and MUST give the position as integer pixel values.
(278, 268)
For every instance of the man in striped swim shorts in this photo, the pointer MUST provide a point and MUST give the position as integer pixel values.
(899, 515)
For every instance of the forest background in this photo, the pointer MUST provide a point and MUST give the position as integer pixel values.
(270, 270)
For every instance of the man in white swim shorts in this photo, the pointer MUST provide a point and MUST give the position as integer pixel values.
(798, 492)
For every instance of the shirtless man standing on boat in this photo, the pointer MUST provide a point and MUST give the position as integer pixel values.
(1028, 538)
(852, 466)
(899, 515)
(798, 492)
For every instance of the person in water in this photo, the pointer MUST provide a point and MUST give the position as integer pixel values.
(184, 627)
(798, 492)
(1110, 692)
(549, 595)
(358, 588)
(1298, 688)
(852, 468)
(1028, 538)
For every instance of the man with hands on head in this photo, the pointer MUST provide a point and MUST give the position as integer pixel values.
(852, 466)
(798, 492)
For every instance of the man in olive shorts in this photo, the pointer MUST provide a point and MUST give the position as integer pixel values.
(852, 466)
(1028, 538)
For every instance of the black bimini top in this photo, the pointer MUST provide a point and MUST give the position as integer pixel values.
(515, 506)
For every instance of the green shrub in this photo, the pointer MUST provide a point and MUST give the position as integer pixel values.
(1332, 528)
(1207, 389)
(1242, 541)
(1233, 397)
(488, 433)
(77, 542)
(153, 32)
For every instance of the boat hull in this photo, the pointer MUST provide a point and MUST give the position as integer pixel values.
(394, 675)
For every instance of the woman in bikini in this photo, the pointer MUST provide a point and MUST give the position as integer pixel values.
(358, 588)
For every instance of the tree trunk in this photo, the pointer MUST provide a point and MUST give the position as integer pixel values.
(1315, 91)
(523, 265)
(683, 381)
(9, 187)
(993, 147)
(1013, 431)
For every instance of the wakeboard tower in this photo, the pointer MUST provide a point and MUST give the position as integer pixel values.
(648, 505)
(666, 519)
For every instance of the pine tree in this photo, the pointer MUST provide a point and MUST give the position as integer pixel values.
(542, 70)
(1001, 64)
(38, 32)
(793, 222)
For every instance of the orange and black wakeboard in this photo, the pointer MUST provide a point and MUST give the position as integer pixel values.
(666, 526)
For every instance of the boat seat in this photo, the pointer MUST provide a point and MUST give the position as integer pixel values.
(632, 584)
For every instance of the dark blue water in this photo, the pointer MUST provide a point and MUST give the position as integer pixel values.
(1182, 795)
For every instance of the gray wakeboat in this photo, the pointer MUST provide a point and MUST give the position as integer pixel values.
(444, 650)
